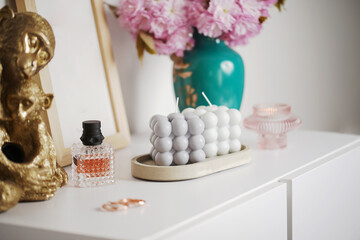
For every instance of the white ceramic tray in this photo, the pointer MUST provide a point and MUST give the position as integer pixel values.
(144, 167)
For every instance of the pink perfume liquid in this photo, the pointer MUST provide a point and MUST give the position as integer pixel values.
(92, 165)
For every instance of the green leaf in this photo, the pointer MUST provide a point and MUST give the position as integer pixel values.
(280, 4)
(144, 42)
(140, 48)
(148, 41)
(113, 9)
(262, 19)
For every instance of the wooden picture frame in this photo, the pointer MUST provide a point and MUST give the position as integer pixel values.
(121, 136)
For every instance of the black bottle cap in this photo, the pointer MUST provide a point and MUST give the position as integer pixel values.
(91, 133)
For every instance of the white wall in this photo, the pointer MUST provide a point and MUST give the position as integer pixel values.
(307, 56)
(147, 89)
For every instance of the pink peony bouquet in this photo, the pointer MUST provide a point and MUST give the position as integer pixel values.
(166, 26)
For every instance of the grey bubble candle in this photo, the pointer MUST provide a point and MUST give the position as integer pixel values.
(194, 135)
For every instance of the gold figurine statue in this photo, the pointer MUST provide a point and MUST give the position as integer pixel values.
(28, 169)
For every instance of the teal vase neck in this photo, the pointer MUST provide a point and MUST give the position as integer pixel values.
(202, 41)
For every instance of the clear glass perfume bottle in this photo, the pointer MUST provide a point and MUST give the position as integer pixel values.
(93, 159)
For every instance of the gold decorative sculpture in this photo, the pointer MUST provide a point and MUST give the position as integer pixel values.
(28, 169)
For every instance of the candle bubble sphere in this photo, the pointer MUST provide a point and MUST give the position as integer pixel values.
(163, 159)
(223, 134)
(210, 135)
(196, 142)
(179, 127)
(212, 108)
(173, 116)
(200, 111)
(180, 143)
(210, 120)
(223, 148)
(162, 128)
(210, 149)
(235, 116)
(188, 110)
(197, 156)
(196, 126)
(235, 132)
(190, 115)
(155, 119)
(235, 145)
(223, 117)
(181, 158)
(153, 153)
(163, 144)
(151, 124)
(171, 136)
(224, 108)
(152, 138)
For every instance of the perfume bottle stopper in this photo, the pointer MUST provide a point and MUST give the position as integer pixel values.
(91, 135)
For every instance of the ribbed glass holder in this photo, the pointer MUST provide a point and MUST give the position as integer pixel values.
(272, 122)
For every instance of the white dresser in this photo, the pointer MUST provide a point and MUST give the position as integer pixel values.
(310, 190)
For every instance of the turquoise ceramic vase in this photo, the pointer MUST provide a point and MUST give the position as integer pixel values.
(210, 67)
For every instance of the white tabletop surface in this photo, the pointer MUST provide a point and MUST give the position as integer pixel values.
(169, 204)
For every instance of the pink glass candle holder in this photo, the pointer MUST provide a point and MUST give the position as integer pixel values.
(272, 122)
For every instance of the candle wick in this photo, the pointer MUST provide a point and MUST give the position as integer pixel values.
(206, 99)
(177, 105)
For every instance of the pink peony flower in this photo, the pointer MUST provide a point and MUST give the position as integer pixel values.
(171, 22)
(165, 20)
(177, 42)
(247, 23)
(224, 13)
(233, 21)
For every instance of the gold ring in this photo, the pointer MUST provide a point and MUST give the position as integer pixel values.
(122, 204)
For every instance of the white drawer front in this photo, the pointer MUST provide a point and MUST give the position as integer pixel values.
(326, 200)
(261, 217)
